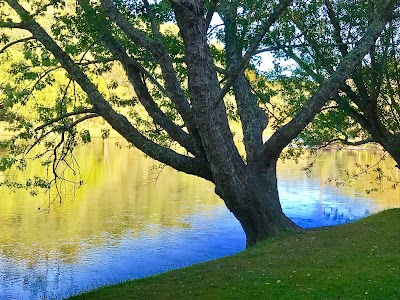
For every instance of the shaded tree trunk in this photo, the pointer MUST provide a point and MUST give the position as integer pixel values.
(394, 150)
(254, 201)
(251, 196)
(390, 142)
(370, 121)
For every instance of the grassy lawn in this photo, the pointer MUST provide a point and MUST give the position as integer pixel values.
(360, 260)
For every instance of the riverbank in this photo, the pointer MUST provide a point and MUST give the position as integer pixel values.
(360, 260)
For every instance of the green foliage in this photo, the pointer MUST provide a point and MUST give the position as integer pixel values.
(7, 163)
(105, 133)
(85, 136)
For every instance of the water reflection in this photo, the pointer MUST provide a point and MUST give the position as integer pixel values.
(130, 220)
(311, 202)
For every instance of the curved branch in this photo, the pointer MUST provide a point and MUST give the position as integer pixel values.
(37, 141)
(62, 128)
(350, 143)
(14, 43)
(59, 118)
(84, 118)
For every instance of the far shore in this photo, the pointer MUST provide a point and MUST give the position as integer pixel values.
(95, 130)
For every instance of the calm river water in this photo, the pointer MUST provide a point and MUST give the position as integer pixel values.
(133, 219)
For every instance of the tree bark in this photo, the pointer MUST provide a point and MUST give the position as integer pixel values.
(254, 119)
(253, 199)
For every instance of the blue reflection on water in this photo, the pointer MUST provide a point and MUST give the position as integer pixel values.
(309, 206)
(208, 236)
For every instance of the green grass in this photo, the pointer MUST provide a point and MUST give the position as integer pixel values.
(360, 260)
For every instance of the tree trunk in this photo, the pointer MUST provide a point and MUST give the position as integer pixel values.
(254, 201)
(391, 143)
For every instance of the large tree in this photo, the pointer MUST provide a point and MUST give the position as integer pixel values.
(175, 79)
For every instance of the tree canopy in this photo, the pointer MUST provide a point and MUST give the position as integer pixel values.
(183, 82)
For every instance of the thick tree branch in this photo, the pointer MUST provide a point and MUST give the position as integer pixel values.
(4, 24)
(133, 70)
(368, 121)
(204, 87)
(282, 137)
(158, 50)
(119, 122)
(253, 118)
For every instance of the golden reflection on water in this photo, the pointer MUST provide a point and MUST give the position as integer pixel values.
(126, 193)
(330, 171)
(122, 191)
